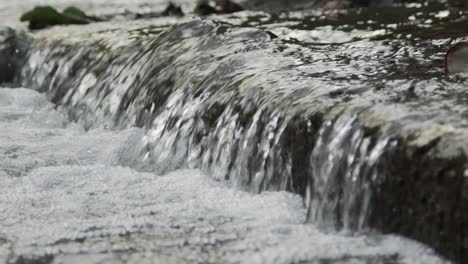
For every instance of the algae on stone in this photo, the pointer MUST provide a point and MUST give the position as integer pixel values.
(44, 16)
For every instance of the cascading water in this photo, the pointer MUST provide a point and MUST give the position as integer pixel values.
(264, 109)
(70, 195)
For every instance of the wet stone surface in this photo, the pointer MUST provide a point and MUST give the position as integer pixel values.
(7, 54)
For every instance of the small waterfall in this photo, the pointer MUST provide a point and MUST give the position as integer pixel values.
(343, 173)
(245, 109)
(228, 118)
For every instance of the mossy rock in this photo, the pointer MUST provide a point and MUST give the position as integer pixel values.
(44, 16)
(74, 12)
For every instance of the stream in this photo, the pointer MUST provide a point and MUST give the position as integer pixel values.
(294, 136)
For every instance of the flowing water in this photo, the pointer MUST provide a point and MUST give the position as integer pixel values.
(348, 109)
(74, 196)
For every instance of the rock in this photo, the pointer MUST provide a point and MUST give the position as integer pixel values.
(172, 10)
(45, 16)
(7, 54)
(75, 13)
(204, 8)
(228, 6)
(207, 7)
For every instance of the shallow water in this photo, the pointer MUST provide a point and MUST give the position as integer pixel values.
(75, 196)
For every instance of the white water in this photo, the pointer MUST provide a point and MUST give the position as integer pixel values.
(73, 194)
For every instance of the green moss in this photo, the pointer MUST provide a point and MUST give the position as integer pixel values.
(75, 13)
(45, 16)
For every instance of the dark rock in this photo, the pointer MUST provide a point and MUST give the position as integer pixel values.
(7, 54)
(206, 7)
(228, 6)
(172, 10)
(424, 197)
